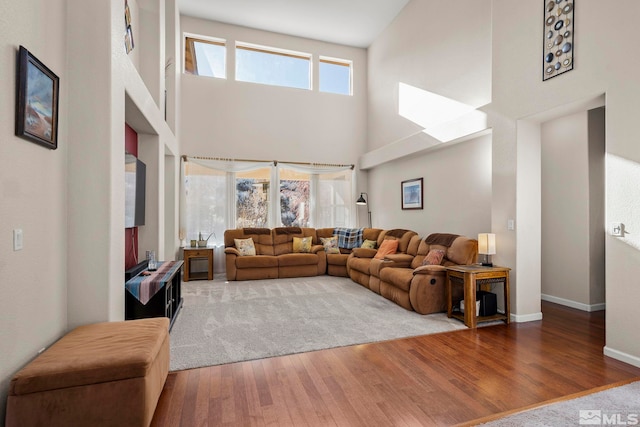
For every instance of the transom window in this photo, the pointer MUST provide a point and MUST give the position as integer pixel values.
(266, 65)
(335, 76)
(205, 57)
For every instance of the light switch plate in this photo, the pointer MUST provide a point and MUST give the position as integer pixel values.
(17, 239)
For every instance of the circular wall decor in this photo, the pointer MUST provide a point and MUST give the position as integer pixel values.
(558, 44)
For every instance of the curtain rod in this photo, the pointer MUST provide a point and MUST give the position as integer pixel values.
(275, 162)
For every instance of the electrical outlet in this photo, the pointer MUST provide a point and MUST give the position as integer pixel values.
(17, 239)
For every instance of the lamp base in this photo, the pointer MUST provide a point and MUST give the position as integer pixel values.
(487, 264)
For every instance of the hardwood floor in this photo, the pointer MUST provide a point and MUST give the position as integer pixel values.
(441, 379)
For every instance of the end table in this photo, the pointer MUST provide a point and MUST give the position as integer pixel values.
(470, 276)
(197, 253)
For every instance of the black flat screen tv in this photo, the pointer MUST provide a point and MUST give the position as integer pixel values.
(135, 187)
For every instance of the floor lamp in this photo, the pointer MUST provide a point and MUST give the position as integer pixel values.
(362, 201)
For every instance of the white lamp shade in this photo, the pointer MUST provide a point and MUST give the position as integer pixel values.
(487, 243)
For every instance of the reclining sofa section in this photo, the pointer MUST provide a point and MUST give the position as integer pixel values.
(274, 257)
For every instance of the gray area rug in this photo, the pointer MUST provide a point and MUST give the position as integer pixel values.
(223, 322)
(615, 406)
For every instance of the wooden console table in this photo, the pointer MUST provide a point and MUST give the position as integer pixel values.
(198, 253)
(470, 276)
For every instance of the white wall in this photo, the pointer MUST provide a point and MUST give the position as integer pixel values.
(457, 190)
(569, 231)
(435, 46)
(518, 92)
(422, 49)
(226, 118)
(33, 194)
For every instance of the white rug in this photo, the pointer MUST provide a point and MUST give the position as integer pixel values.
(223, 322)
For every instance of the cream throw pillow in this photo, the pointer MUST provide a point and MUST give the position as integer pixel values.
(245, 246)
(330, 245)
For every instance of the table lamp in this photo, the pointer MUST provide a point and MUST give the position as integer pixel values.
(487, 247)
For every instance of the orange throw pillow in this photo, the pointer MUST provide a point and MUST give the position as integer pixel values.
(386, 248)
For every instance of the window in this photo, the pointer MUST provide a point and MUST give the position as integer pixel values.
(335, 76)
(259, 64)
(252, 198)
(222, 193)
(204, 189)
(205, 57)
(294, 198)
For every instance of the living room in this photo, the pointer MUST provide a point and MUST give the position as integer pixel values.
(489, 59)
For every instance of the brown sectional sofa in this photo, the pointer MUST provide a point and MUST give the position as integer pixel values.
(274, 254)
(422, 287)
(337, 263)
(398, 277)
(363, 268)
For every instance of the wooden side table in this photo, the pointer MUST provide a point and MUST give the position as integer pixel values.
(470, 276)
(197, 253)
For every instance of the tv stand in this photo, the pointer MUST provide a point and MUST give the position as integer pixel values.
(167, 300)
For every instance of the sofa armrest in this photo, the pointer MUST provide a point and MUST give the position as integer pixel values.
(316, 248)
(364, 252)
(399, 260)
(429, 269)
(231, 251)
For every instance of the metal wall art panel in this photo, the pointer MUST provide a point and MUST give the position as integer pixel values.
(558, 39)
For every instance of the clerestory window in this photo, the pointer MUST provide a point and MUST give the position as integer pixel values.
(205, 57)
(271, 66)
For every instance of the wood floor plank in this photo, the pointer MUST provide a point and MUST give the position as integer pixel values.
(441, 379)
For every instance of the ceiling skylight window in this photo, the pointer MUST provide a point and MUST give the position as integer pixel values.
(443, 118)
(335, 76)
(271, 66)
(205, 57)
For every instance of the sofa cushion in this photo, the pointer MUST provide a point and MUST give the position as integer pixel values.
(245, 247)
(399, 277)
(302, 244)
(258, 261)
(387, 247)
(288, 260)
(330, 245)
(337, 259)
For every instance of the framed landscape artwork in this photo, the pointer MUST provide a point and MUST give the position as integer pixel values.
(36, 101)
(412, 193)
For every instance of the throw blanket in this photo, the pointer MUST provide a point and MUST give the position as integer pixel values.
(348, 238)
(145, 287)
(442, 239)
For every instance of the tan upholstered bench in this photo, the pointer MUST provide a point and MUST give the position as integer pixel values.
(104, 374)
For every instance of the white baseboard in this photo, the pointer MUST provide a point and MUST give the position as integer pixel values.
(521, 318)
(621, 356)
(573, 304)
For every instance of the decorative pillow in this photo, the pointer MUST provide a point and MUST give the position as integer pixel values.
(330, 245)
(302, 244)
(370, 244)
(245, 246)
(386, 248)
(434, 257)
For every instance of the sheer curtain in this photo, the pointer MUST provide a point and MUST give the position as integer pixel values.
(219, 194)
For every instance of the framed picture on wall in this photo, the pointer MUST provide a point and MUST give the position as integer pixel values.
(36, 101)
(412, 193)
